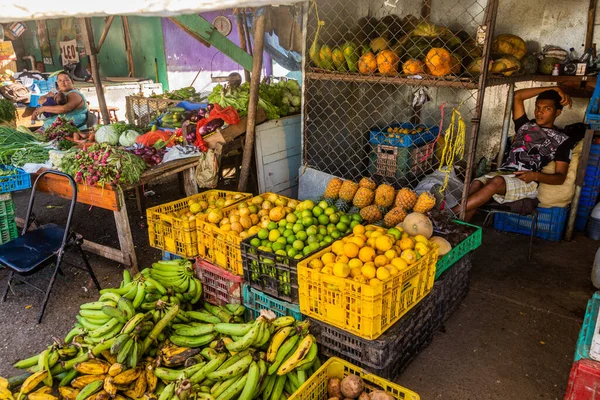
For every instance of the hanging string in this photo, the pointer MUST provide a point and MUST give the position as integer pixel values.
(454, 148)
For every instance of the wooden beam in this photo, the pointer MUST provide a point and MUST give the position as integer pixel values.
(190, 32)
(242, 36)
(107, 25)
(589, 34)
(88, 38)
(259, 41)
(130, 66)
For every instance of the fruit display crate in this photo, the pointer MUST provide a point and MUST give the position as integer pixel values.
(586, 334)
(219, 287)
(582, 218)
(18, 180)
(179, 235)
(450, 290)
(397, 162)
(471, 243)
(364, 310)
(551, 223)
(377, 136)
(255, 300)
(169, 257)
(8, 228)
(389, 354)
(7, 205)
(583, 381)
(221, 247)
(315, 387)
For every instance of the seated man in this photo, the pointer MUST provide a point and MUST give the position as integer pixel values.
(536, 143)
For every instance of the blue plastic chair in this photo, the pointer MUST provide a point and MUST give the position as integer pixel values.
(42, 247)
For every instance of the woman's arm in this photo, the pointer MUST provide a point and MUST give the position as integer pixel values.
(74, 101)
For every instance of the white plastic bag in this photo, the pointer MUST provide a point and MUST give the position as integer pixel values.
(207, 171)
(453, 190)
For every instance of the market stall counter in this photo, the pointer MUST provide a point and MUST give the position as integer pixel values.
(112, 198)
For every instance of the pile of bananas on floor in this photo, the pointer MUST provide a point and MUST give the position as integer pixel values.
(153, 339)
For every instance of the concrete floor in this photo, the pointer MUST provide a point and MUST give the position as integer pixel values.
(513, 337)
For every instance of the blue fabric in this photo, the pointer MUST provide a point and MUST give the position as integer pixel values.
(79, 116)
(189, 106)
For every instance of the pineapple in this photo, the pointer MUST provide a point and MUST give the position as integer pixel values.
(425, 203)
(384, 195)
(394, 217)
(371, 214)
(367, 183)
(333, 189)
(363, 197)
(348, 190)
(406, 198)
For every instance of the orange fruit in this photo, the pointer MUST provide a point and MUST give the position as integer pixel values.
(374, 282)
(316, 264)
(399, 263)
(342, 258)
(383, 273)
(355, 263)
(421, 248)
(351, 249)
(338, 247)
(366, 254)
(391, 254)
(383, 243)
(358, 229)
(381, 260)
(357, 241)
(368, 271)
(407, 243)
(341, 270)
(409, 256)
(356, 271)
(328, 258)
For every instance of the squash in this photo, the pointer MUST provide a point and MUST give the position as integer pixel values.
(367, 64)
(413, 67)
(444, 245)
(339, 61)
(511, 45)
(417, 224)
(326, 57)
(475, 67)
(529, 64)
(439, 61)
(350, 51)
(387, 62)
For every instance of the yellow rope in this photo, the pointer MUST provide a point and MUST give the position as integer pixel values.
(454, 148)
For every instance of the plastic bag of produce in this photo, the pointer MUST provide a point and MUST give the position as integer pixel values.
(207, 171)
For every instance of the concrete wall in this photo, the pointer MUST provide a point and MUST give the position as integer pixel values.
(146, 42)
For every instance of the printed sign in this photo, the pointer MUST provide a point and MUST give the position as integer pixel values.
(69, 52)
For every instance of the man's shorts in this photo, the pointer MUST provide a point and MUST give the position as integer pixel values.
(516, 189)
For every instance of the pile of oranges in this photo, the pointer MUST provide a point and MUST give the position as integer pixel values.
(372, 254)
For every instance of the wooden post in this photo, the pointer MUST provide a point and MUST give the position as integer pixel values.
(589, 34)
(107, 25)
(242, 36)
(259, 41)
(88, 38)
(426, 9)
(130, 66)
(247, 33)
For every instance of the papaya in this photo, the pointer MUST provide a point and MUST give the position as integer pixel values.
(507, 65)
(428, 30)
(364, 49)
(413, 67)
(351, 55)
(439, 61)
(314, 50)
(511, 45)
(387, 62)
(379, 44)
(367, 63)
(547, 65)
(326, 57)
(475, 67)
(339, 61)
(529, 64)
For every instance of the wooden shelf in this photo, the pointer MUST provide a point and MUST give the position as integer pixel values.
(428, 80)
(494, 81)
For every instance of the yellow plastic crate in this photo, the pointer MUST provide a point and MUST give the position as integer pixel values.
(361, 309)
(179, 235)
(315, 387)
(220, 247)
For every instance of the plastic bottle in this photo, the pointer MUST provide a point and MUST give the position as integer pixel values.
(573, 56)
(596, 270)
(556, 70)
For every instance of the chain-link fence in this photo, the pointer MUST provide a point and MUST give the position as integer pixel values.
(381, 81)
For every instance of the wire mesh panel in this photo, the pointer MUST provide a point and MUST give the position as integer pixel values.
(382, 79)
(141, 111)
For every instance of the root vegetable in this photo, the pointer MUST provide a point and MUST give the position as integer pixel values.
(352, 386)
(333, 388)
(380, 395)
(364, 396)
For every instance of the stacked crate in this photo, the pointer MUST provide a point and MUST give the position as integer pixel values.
(590, 189)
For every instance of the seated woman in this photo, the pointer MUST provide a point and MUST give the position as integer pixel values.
(75, 108)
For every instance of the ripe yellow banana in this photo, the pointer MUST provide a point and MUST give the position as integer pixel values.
(140, 386)
(110, 387)
(41, 396)
(5, 394)
(101, 395)
(125, 378)
(92, 367)
(68, 393)
(82, 381)
(175, 356)
(151, 379)
(297, 356)
(277, 341)
(43, 390)
(283, 322)
(32, 381)
(109, 357)
(3, 383)
(116, 369)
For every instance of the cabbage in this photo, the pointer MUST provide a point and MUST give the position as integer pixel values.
(107, 134)
(296, 101)
(128, 138)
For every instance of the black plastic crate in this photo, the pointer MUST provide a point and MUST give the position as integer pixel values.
(450, 290)
(389, 354)
(273, 274)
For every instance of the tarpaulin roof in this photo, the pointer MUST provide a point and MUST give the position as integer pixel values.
(23, 10)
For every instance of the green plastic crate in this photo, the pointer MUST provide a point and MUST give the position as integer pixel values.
(7, 205)
(8, 228)
(472, 242)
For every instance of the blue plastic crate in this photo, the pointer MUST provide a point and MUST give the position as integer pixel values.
(404, 140)
(551, 223)
(595, 149)
(592, 114)
(168, 256)
(586, 334)
(20, 180)
(588, 197)
(255, 300)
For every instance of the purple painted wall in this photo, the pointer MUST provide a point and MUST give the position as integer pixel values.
(185, 55)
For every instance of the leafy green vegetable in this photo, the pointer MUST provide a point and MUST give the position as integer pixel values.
(8, 111)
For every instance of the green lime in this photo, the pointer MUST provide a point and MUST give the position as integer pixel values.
(306, 251)
(297, 228)
(289, 226)
(316, 211)
(395, 232)
(278, 246)
(312, 239)
(288, 232)
(334, 218)
(345, 219)
(306, 213)
(298, 257)
(291, 218)
(255, 242)
(330, 228)
(311, 230)
(302, 235)
(281, 229)
(322, 230)
(336, 234)
(314, 246)
(274, 235)
(281, 240)
(323, 219)
(342, 227)
(269, 245)
(308, 204)
(323, 204)
(322, 243)
(298, 245)
(291, 239)
(353, 224)
(328, 239)
(292, 252)
(357, 217)
(307, 221)
(271, 225)
(320, 236)
(263, 233)
(330, 210)
(281, 252)
(264, 242)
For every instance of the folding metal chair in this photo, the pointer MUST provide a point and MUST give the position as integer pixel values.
(491, 209)
(41, 247)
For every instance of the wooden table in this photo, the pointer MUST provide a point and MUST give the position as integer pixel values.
(113, 199)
